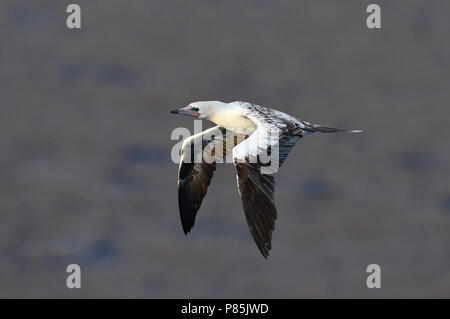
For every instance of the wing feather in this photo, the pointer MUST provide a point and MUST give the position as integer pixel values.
(199, 155)
(255, 187)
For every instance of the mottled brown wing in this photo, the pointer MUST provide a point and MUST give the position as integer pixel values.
(257, 193)
(256, 187)
(193, 182)
(199, 155)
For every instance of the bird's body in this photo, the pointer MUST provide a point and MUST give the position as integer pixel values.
(248, 132)
(232, 117)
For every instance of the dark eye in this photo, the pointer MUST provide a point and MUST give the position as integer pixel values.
(195, 109)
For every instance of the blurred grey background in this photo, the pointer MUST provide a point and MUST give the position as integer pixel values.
(85, 169)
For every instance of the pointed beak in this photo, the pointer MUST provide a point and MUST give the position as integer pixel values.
(186, 111)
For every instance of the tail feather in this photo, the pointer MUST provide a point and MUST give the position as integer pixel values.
(326, 129)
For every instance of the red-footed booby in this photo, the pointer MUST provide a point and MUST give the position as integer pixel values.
(246, 131)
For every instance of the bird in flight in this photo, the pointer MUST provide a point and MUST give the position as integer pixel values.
(247, 133)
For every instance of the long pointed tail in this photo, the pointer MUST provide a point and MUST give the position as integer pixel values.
(325, 129)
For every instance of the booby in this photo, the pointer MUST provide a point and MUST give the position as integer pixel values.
(243, 133)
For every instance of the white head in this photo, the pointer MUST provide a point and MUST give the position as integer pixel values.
(201, 109)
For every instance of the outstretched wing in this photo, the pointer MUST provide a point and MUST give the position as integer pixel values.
(256, 182)
(199, 155)
(256, 192)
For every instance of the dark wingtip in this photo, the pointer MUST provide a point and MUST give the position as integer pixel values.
(264, 250)
(186, 228)
(174, 111)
